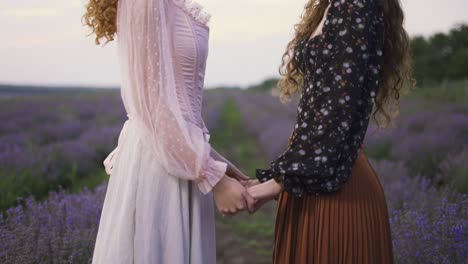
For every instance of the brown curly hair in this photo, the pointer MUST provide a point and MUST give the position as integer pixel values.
(396, 72)
(101, 16)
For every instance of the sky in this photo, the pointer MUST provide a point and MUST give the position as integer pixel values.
(43, 42)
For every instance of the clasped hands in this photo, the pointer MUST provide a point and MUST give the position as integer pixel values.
(236, 192)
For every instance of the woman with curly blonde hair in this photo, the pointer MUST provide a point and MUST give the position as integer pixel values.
(347, 57)
(158, 206)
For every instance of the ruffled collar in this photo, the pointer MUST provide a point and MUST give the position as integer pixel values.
(195, 10)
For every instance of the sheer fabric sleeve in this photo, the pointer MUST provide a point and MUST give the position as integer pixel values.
(145, 43)
(336, 102)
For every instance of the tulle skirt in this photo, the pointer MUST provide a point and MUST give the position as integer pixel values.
(149, 216)
(350, 226)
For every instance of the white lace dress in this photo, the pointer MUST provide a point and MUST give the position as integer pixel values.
(158, 208)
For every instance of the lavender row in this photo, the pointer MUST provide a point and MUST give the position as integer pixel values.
(58, 140)
(267, 120)
(54, 140)
(428, 220)
(424, 140)
(428, 225)
(62, 229)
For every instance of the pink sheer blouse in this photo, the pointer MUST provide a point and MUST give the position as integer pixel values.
(163, 48)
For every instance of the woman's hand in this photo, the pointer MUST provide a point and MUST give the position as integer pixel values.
(250, 183)
(231, 197)
(264, 193)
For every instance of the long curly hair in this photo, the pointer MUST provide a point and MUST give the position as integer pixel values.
(101, 17)
(396, 76)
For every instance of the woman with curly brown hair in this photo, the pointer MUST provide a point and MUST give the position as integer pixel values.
(158, 206)
(347, 57)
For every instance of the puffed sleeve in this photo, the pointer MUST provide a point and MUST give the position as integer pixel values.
(336, 102)
(145, 45)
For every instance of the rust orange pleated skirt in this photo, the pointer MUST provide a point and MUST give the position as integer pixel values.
(349, 226)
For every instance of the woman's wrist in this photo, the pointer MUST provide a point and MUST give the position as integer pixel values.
(219, 185)
(276, 187)
(211, 174)
(230, 168)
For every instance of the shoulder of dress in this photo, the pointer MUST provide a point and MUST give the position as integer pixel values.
(344, 4)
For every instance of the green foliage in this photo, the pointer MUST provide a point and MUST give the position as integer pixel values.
(264, 86)
(446, 91)
(441, 56)
(20, 185)
(250, 234)
(380, 151)
(437, 59)
(234, 143)
(28, 182)
(456, 172)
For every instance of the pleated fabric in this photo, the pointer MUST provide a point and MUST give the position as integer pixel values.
(349, 226)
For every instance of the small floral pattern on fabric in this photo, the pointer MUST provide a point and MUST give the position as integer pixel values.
(341, 69)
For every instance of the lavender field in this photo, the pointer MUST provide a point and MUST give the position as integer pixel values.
(52, 183)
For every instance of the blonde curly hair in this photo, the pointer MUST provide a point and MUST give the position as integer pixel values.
(101, 17)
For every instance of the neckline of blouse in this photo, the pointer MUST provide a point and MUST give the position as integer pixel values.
(324, 19)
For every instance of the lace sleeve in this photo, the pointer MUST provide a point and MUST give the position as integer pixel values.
(336, 102)
(145, 44)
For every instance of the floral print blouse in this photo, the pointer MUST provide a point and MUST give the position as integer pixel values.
(341, 68)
